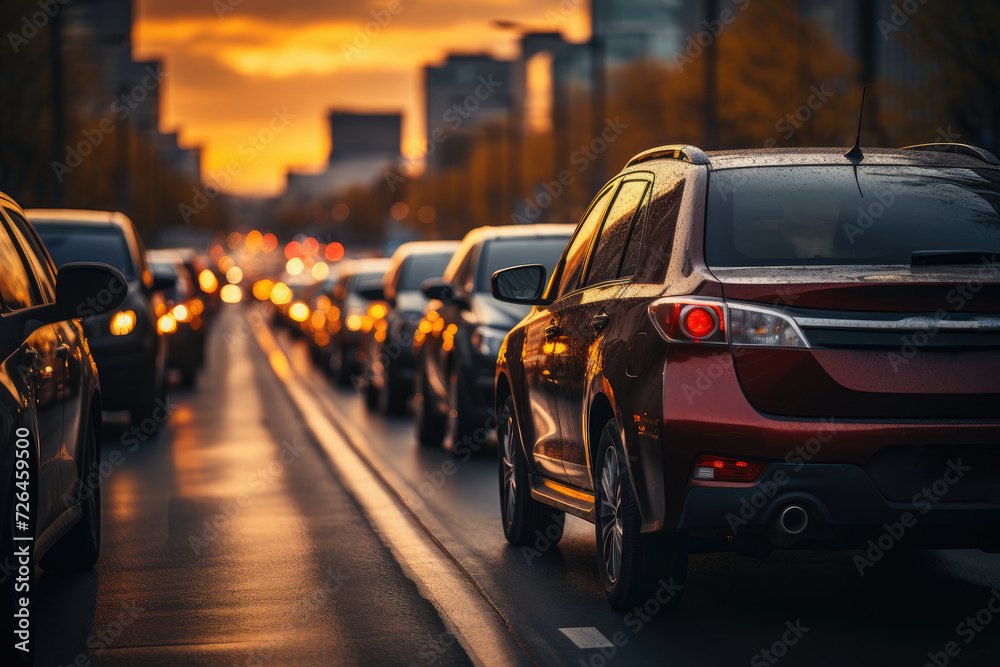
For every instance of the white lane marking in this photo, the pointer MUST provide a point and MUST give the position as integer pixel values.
(586, 637)
(478, 628)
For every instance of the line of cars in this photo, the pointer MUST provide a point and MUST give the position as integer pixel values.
(420, 329)
(732, 351)
(83, 314)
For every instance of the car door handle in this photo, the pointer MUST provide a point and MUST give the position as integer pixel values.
(29, 357)
(552, 330)
(62, 351)
(599, 321)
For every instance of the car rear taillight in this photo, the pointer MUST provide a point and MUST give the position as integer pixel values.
(693, 320)
(724, 469)
(689, 320)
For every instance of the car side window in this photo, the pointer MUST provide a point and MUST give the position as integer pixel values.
(37, 256)
(633, 246)
(614, 233)
(655, 224)
(575, 257)
(15, 285)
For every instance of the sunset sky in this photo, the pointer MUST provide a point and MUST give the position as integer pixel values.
(231, 63)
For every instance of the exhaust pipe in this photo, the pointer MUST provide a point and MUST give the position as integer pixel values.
(793, 520)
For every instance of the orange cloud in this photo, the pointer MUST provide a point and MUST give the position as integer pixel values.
(228, 75)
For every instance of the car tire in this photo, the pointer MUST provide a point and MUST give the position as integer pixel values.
(430, 423)
(339, 367)
(370, 393)
(631, 564)
(392, 395)
(78, 549)
(144, 408)
(460, 422)
(524, 519)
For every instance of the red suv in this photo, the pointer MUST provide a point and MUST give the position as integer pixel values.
(749, 350)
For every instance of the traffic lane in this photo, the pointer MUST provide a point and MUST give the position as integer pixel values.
(810, 607)
(227, 540)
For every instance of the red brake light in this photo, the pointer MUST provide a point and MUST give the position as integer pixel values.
(699, 322)
(724, 469)
(684, 320)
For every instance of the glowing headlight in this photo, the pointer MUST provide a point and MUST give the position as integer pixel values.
(122, 323)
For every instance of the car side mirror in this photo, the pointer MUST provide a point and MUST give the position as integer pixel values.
(436, 289)
(83, 289)
(522, 285)
(372, 290)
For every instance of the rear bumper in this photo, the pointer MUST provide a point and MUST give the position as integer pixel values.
(844, 507)
(852, 477)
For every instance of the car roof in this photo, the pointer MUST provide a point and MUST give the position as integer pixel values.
(425, 248)
(350, 267)
(66, 216)
(508, 231)
(791, 157)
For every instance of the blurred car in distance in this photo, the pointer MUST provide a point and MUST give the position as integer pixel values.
(50, 402)
(348, 317)
(181, 317)
(735, 325)
(130, 352)
(457, 340)
(387, 375)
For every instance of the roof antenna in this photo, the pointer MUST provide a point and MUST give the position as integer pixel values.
(855, 152)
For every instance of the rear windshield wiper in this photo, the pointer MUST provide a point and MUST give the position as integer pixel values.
(938, 257)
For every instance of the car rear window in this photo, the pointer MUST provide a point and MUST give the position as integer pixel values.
(73, 243)
(823, 215)
(503, 253)
(418, 268)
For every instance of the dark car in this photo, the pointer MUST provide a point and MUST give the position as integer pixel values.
(348, 319)
(130, 352)
(50, 405)
(387, 375)
(761, 349)
(457, 341)
(182, 316)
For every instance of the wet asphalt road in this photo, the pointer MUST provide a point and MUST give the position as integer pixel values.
(297, 571)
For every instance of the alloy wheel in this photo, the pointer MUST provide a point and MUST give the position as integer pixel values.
(611, 515)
